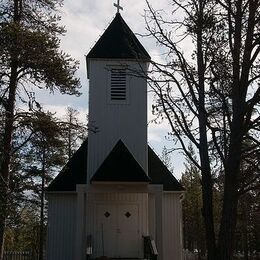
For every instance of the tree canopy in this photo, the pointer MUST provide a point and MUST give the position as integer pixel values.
(30, 56)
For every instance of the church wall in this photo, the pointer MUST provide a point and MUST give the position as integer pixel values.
(109, 198)
(172, 227)
(152, 220)
(61, 226)
(127, 121)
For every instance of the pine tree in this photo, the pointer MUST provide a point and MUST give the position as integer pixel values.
(30, 56)
(44, 156)
(194, 232)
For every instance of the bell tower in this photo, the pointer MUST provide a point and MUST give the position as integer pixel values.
(117, 66)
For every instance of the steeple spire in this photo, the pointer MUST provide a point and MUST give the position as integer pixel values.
(118, 6)
(118, 42)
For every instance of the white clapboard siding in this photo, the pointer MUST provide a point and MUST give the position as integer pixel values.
(114, 121)
(172, 227)
(61, 226)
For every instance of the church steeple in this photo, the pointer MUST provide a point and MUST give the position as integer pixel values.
(117, 65)
(118, 42)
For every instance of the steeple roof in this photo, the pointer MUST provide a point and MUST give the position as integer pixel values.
(118, 42)
(120, 166)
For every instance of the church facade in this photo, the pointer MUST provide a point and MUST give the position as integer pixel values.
(115, 198)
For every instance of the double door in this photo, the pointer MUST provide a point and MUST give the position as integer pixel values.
(118, 230)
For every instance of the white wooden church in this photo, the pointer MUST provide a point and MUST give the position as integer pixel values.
(115, 198)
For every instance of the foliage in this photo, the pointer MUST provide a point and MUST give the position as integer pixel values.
(194, 232)
(247, 230)
(29, 33)
(30, 56)
(23, 235)
(40, 150)
(247, 233)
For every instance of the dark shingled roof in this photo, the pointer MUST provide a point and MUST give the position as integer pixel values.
(120, 166)
(75, 171)
(160, 174)
(118, 42)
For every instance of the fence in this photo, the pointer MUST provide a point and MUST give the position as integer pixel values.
(14, 255)
(187, 255)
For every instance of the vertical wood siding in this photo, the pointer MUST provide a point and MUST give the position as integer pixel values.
(127, 122)
(152, 229)
(61, 227)
(172, 227)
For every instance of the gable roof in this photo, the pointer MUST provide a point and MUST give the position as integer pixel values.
(75, 171)
(120, 166)
(118, 42)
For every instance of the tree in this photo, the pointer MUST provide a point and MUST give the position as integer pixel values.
(194, 233)
(42, 141)
(23, 235)
(166, 159)
(45, 154)
(73, 131)
(29, 57)
(211, 98)
(247, 227)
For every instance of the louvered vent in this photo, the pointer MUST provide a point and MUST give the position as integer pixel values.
(118, 84)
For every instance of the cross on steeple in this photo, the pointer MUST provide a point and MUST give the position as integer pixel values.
(118, 6)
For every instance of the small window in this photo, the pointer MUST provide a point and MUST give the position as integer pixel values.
(118, 85)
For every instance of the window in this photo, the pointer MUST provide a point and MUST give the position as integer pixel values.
(118, 90)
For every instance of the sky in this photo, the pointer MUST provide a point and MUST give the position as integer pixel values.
(85, 21)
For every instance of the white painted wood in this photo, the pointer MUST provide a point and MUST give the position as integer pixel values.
(80, 236)
(172, 226)
(122, 231)
(128, 244)
(159, 223)
(152, 224)
(127, 121)
(118, 232)
(61, 226)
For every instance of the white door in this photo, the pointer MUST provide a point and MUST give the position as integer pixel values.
(118, 230)
(106, 229)
(128, 233)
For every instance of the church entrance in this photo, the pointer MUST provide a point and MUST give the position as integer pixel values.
(118, 230)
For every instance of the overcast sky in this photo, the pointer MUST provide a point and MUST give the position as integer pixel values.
(85, 21)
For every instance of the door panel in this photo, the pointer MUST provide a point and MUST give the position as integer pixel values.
(107, 227)
(128, 237)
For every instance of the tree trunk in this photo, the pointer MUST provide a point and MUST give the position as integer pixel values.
(232, 174)
(245, 241)
(41, 241)
(228, 221)
(8, 132)
(207, 192)
(6, 156)
(230, 199)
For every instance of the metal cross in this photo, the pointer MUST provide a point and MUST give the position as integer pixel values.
(118, 6)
